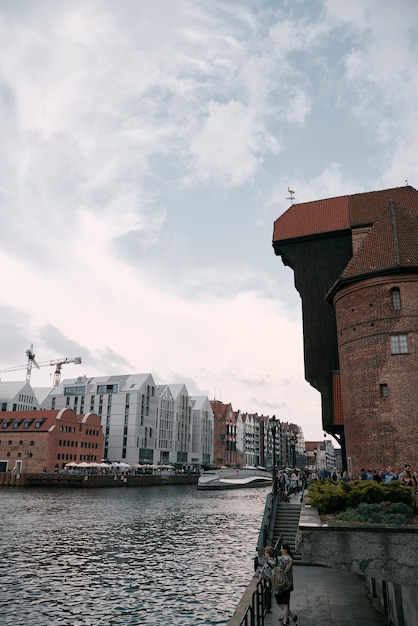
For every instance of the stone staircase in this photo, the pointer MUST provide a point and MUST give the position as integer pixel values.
(287, 524)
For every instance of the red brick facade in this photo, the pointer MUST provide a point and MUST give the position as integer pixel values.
(37, 441)
(378, 388)
(355, 260)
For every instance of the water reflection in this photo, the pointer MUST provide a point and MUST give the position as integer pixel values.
(149, 557)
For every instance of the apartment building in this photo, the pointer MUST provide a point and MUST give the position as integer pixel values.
(142, 422)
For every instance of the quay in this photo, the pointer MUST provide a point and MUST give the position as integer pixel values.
(322, 597)
(91, 481)
(343, 576)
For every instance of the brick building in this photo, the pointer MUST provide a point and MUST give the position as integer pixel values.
(355, 260)
(224, 434)
(36, 441)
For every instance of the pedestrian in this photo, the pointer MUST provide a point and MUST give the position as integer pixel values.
(408, 480)
(270, 561)
(285, 562)
(406, 467)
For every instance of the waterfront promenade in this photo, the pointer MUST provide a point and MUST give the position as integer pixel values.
(328, 597)
(322, 596)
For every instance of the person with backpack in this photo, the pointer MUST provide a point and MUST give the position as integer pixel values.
(270, 562)
(285, 564)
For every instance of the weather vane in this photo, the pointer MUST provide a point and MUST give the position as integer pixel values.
(292, 195)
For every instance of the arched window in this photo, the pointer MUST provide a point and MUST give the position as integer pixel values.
(396, 298)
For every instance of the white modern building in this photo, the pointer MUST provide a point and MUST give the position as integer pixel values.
(202, 431)
(17, 396)
(143, 423)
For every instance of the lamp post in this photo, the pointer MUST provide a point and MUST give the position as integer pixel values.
(273, 426)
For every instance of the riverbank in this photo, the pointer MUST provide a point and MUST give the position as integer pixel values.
(89, 481)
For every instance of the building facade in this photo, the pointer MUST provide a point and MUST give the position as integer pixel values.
(45, 441)
(143, 423)
(355, 260)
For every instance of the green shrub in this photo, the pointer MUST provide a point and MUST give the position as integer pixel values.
(333, 497)
(402, 508)
(398, 514)
(395, 518)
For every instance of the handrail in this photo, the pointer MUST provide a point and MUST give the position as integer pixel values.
(254, 614)
(254, 607)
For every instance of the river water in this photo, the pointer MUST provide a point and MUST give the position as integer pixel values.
(169, 556)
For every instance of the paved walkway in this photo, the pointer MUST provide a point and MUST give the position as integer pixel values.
(327, 597)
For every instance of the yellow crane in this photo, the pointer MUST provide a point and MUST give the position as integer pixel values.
(31, 361)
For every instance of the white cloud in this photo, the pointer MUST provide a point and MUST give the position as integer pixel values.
(109, 109)
(231, 143)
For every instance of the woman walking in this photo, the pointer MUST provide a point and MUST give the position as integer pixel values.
(285, 562)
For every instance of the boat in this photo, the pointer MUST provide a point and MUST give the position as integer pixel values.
(234, 478)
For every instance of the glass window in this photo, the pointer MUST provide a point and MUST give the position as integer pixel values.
(396, 299)
(384, 391)
(107, 389)
(399, 344)
(74, 391)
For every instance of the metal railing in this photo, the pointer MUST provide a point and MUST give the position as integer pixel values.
(255, 610)
(254, 614)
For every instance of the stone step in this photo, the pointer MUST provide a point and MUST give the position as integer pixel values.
(286, 524)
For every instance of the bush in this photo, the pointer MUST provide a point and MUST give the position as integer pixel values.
(333, 497)
(399, 514)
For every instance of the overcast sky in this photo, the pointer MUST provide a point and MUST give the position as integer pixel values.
(146, 150)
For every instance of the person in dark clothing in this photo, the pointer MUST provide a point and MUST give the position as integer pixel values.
(285, 562)
(265, 574)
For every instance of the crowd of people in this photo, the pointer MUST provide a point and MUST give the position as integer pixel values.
(294, 481)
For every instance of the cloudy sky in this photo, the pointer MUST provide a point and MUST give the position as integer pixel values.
(146, 149)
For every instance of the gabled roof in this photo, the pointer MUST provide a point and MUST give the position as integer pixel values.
(9, 389)
(199, 402)
(177, 389)
(16, 421)
(38, 421)
(312, 218)
(340, 214)
(391, 245)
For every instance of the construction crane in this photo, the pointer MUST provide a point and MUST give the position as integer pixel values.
(32, 362)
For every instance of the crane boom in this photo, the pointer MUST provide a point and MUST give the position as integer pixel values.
(31, 361)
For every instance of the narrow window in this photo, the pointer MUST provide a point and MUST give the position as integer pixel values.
(399, 344)
(384, 391)
(396, 299)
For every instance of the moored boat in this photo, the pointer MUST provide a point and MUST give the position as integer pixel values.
(234, 478)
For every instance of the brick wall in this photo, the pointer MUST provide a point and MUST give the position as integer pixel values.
(379, 430)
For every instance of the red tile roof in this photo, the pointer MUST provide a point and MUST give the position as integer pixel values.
(341, 213)
(392, 243)
(312, 218)
(365, 208)
(17, 420)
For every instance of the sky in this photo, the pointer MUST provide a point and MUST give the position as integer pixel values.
(146, 149)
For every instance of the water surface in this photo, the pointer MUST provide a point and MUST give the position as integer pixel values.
(141, 556)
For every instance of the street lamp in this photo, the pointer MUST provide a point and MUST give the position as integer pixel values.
(273, 425)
